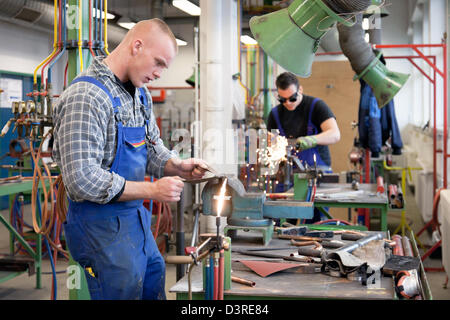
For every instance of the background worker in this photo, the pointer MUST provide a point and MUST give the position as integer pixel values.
(305, 119)
(106, 141)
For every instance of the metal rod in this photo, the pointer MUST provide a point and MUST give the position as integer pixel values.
(195, 229)
(445, 75)
(243, 281)
(181, 268)
(360, 243)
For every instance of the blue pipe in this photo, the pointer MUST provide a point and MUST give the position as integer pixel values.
(63, 12)
(102, 46)
(308, 195)
(211, 277)
(207, 275)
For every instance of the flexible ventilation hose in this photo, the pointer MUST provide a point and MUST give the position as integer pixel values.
(348, 6)
(353, 45)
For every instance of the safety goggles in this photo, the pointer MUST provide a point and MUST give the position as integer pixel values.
(292, 98)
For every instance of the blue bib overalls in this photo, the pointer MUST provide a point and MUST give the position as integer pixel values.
(305, 155)
(113, 242)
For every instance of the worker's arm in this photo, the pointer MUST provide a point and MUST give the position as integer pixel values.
(166, 189)
(330, 132)
(188, 169)
(81, 123)
(330, 135)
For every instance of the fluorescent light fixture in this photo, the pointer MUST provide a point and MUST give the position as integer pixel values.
(187, 7)
(365, 24)
(96, 14)
(248, 40)
(126, 23)
(181, 42)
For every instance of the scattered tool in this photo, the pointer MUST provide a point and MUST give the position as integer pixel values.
(407, 284)
(304, 231)
(273, 255)
(304, 238)
(243, 281)
(396, 264)
(310, 252)
(380, 185)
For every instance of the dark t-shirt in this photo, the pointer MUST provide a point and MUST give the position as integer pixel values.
(295, 122)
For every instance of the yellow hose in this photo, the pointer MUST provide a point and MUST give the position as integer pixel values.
(80, 30)
(105, 22)
(55, 42)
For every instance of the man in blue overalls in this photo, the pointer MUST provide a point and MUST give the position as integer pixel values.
(306, 119)
(106, 141)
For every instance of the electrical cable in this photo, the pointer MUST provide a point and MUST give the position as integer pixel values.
(65, 74)
(80, 30)
(90, 29)
(48, 216)
(62, 12)
(55, 32)
(100, 13)
(105, 28)
(56, 55)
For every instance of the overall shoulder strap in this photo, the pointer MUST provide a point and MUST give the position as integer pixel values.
(115, 100)
(143, 97)
(277, 120)
(311, 129)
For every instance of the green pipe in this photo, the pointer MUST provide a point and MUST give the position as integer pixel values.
(81, 293)
(72, 37)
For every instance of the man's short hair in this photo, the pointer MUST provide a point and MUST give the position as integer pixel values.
(166, 30)
(285, 80)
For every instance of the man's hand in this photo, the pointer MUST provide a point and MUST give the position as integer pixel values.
(167, 189)
(304, 143)
(190, 168)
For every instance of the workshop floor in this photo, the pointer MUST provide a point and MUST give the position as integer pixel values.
(23, 286)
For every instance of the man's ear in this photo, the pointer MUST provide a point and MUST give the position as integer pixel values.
(300, 89)
(136, 47)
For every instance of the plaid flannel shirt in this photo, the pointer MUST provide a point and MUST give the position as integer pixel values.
(85, 137)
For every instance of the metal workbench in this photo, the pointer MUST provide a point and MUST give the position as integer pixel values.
(9, 189)
(341, 195)
(283, 285)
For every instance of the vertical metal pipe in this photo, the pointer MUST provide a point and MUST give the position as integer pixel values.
(434, 133)
(266, 87)
(181, 268)
(195, 229)
(445, 75)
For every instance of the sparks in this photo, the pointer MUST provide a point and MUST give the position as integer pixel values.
(271, 156)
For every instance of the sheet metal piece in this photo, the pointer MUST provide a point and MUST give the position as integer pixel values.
(264, 269)
(373, 253)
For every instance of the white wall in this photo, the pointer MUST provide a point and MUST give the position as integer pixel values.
(183, 64)
(24, 48)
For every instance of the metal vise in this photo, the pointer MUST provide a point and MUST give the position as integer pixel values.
(246, 210)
